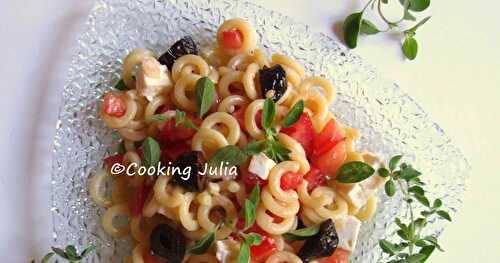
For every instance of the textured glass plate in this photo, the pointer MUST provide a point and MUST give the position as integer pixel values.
(389, 120)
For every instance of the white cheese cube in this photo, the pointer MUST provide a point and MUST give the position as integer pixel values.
(149, 86)
(261, 165)
(371, 185)
(348, 231)
(354, 195)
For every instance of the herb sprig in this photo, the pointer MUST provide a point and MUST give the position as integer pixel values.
(69, 253)
(180, 119)
(355, 24)
(414, 246)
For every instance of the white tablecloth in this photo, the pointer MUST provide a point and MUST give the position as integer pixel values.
(456, 78)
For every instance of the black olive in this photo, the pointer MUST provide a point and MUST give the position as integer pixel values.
(180, 48)
(167, 244)
(273, 79)
(193, 181)
(323, 244)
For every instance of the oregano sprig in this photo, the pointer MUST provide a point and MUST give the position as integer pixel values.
(69, 253)
(355, 24)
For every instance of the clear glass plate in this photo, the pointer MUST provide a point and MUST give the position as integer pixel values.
(389, 120)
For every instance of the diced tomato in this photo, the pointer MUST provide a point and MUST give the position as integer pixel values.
(148, 258)
(111, 160)
(261, 252)
(250, 179)
(114, 105)
(314, 178)
(232, 39)
(172, 133)
(137, 202)
(290, 180)
(329, 136)
(173, 150)
(331, 161)
(302, 131)
(339, 256)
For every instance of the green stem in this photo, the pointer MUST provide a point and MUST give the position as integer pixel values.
(411, 240)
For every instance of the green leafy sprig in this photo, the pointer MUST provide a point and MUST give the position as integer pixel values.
(69, 253)
(355, 24)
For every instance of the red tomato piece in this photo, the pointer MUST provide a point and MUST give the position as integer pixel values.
(114, 105)
(329, 136)
(111, 160)
(302, 131)
(261, 252)
(339, 256)
(250, 180)
(314, 178)
(290, 180)
(232, 39)
(148, 258)
(137, 202)
(331, 161)
(172, 133)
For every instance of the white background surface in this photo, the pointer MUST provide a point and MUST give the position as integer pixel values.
(456, 78)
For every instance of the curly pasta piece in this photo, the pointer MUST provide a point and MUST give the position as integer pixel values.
(227, 79)
(249, 81)
(109, 226)
(316, 105)
(229, 103)
(367, 211)
(130, 113)
(207, 224)
(96, 183)
(132, 61)
(185, 84)
(250, 123)
(248, 34)
(288, 62)
(242, 61)
(320, 82)
(208, 141)
(297, 152)
(231, 124)
(189, 64)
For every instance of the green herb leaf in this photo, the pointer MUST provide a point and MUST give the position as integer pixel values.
(121, 148)
(120, 85)
(46, 258)
(249, 210)
(71, 252)
(408, 16)
(180, 116)
(368, 27)
(388, 247)
(393, 163)
(410, 47)
(252, 239)
(437, 203)
(417, 5)
(158, 117)
(301, 234)
(390, 188)
(268, 113)
(202, 245)
(422, 199)
(205, 92)
(408, 173)
(426, 251)
(151, 152)
(351, 28)
(255, 195)
(244, 254)
(433, 241)
(277, 151)
(294, 114)
(254, 148)
(416, 190)
(415, 258)
(87, 250)
(60, 252)
(354, 172)
(383, 172)
(443, 214)
(228, 155)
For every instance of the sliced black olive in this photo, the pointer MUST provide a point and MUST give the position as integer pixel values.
(273, 82)
(194, 181)
(322, 244)
(167, 244)
(180, 48)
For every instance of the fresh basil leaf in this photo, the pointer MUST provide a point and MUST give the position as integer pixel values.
(88, 250)
(60, 252)
(293, 115)
(301, 234)
(417, 5)
(255, 195)
(249, 213)
(393, 163)
(390, 188)
(426, 251)
(387, 247)
(367, 27)
(46, 258)
(244, 254)
(354, 172)
(412, 30)
(437, 203)
(351, 28)
(158, 117)
(202, 245)
(151, 152)
(230, 155)
(410, 47)
(254, 148)
(443, 214)
(277, 151)
(120, 85)
(268, 113)
(205, 92)
(383, 172)
(252, 239)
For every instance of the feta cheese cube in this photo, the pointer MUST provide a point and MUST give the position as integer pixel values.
(354, 195)
(371, 185)
(348, 231)
(152, 78)
(261, 165)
